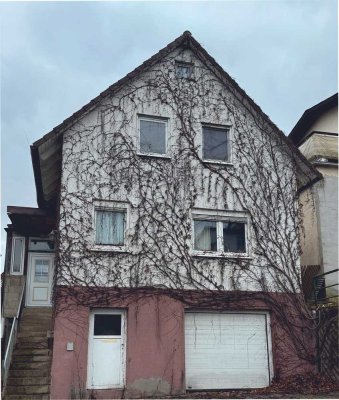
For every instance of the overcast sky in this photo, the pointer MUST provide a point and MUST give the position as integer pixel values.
(55, 57)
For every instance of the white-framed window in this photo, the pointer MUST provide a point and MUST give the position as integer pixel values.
(183, 70)
(110, 221)
(153, 135)
(220, 234)
(216, 143)
(18, 254)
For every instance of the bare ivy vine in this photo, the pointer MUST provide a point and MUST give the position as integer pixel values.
(101, 161)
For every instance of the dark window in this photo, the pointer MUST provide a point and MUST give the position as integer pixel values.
(152, 136)
(205, 235)
(216, 144)
(107, 325)
(234, 237)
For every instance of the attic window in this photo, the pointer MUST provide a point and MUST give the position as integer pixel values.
(183, 70)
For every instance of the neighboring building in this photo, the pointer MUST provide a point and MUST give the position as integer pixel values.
(316, 136)
(167, 232)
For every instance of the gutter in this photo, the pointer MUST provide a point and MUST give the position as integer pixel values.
(309, 184)
(37, 176)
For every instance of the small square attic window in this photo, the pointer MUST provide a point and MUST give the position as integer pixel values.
(183, 70)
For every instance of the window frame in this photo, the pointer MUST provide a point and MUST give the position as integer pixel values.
(113, 206)
(220, 217)
(184, 64)
(228, 128)
(22, 258)
(150, 118)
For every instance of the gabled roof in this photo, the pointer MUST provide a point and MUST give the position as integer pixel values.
(46, 152)
(310, 116)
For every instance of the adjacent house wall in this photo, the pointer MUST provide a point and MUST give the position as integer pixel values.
(328, 122)
(327, 191)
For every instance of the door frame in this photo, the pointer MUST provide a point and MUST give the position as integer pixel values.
(111, 311)
(31, 256)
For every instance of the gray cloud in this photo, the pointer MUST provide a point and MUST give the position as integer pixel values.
(55, 57)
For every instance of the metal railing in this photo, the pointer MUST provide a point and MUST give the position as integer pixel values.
(320, 292)
(11, 342)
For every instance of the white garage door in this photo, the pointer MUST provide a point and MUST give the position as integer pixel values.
(226, 351)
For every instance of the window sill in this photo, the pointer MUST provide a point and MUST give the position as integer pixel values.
(152, 155)
(216, 162)
(108, 249)
(207, 254)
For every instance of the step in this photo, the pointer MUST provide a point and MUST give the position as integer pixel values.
(34, 310)
(33, 329)
(31, 345)
(32, 339)
(26, 397)
(31, 389)
(36, 318)
(30, 358)
(31, 352)
(34, 365)
(23, 373)
(26, 381)
(41, 333)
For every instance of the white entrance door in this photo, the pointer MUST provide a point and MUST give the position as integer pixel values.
(106, 350)
(227, 350)
(40, 280)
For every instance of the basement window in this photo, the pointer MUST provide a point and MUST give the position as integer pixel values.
(18, 251)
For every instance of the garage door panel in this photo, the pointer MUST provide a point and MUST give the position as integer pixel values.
(230, 379)
(226, 351)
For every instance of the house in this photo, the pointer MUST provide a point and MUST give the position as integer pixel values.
(166, 241)
(316, 136)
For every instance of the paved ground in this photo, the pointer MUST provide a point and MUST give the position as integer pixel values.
(250, 395)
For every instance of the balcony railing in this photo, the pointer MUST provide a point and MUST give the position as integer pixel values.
(321, 292)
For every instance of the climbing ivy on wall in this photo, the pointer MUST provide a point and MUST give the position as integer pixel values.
(101, 162)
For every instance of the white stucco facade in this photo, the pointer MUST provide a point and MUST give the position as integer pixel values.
(101, 163)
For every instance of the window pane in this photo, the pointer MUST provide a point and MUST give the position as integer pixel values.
(152, 137)
(234, 237)
(105, 324)
(183, 71)
(215, 144)
(205, 235)
(17, 254)
(110, 227)
(41, 271)
(41, 245)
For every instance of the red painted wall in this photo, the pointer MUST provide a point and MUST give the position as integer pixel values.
(155, 348)
(155, 343)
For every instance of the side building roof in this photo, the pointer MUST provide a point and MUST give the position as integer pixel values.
(309, 117)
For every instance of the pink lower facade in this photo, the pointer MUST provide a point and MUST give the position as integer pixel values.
(154, 362)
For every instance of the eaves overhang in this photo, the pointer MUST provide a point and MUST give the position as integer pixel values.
(31, 221)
